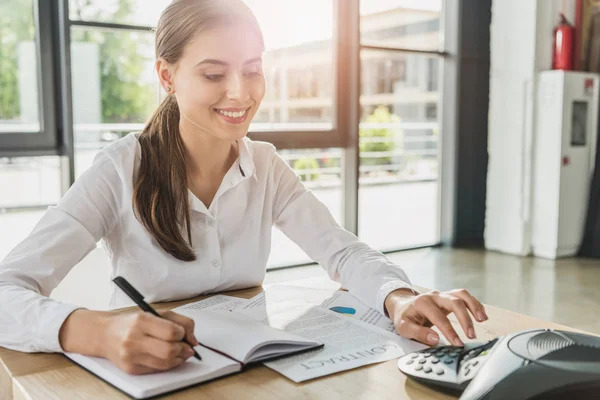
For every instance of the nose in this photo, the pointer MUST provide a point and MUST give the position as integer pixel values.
(236, 88)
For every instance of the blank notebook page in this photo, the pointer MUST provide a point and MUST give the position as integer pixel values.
(238, 335)
(190, 372)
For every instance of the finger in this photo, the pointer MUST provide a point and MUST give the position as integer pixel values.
(137, 369)
(476, 308)
(459, 308)
(159, 364)
(164, 350)
(411, 330)
(161, 328)
(184, 321)
(432, 311)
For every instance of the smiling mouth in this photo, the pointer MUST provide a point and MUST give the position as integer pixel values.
(234, 116)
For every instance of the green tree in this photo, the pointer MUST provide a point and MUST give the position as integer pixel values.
(16, 26)
(381, 114)
(307, 163)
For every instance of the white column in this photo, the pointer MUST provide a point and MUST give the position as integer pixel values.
(521, 46)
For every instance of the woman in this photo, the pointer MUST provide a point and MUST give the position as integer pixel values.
(187, 206)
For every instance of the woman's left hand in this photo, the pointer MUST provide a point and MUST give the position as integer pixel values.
(414, 315)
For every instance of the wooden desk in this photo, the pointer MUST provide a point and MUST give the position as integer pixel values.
(53, 376)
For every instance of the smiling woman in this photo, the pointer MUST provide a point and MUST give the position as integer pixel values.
(188, 205)
(213, 88)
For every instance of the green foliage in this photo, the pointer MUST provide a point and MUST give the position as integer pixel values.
(124, 98)
(16, 26)
(380, 114)
(307, 163)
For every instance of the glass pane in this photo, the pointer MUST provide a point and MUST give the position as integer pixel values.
(19, 110)
(33, 181)
(134, 12)
(321, 172)
(115, 88)
(399, 136)
(298, 65)
(34, 184)
(410, 24)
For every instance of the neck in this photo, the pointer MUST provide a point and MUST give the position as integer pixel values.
(206, 155)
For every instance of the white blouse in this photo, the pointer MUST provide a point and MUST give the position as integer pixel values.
(231, 239)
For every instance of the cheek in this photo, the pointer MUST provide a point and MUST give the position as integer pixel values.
(199, 96)
(258, 90)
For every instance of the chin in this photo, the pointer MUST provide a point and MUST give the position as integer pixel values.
(234, 134)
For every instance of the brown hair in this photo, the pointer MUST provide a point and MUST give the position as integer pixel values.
(160, 198)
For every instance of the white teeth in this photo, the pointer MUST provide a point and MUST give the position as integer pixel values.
(230, 114)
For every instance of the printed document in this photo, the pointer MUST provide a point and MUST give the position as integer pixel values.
(349, 342)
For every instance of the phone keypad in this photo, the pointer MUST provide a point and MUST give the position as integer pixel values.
(451, 365)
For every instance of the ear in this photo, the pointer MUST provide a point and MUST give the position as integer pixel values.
(165, 76)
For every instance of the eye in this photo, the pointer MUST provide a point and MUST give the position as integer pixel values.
(214, 77)
(252, 74)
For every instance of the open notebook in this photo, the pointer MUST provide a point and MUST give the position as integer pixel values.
(229, 342)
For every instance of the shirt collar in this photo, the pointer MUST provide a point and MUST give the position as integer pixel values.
(246, 169)
(246, 161)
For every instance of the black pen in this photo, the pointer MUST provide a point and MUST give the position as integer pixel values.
(139, 300)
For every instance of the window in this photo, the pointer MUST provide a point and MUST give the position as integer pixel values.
(132, 12)
(399, 128)
(406, 24)
(28, 185)
(42, 175)
(298, 60)
(25, 78)
(18, 74)
(114, 87)
(109, 89)
(321, 172)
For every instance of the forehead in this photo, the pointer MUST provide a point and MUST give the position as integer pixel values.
(231, 44)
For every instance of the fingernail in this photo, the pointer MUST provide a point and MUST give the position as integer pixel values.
(189, 353)
(432, 338)
(472, 333)
(458, 342)
(196, 342)
(480, 316)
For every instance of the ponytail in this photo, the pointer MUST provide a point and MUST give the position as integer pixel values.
(160, 194)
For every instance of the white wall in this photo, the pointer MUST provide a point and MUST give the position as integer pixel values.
(521, 46)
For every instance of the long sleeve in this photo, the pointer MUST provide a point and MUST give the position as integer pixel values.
(366, 273)
(29, 320)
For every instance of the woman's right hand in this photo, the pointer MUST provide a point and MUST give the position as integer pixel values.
(142, 343)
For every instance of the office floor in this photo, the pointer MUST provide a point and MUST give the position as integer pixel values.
(565, 291)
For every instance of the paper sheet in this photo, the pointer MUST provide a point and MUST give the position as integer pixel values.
(349, 343)
(340, 301)
(216, 303)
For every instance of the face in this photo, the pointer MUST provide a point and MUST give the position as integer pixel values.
(218, 82)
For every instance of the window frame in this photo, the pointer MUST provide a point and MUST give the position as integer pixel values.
(56, 136)
(18, 143)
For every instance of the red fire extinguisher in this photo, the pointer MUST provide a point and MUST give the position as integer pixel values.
(564, 44)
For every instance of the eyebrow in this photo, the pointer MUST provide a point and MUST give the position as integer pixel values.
(219, 62)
